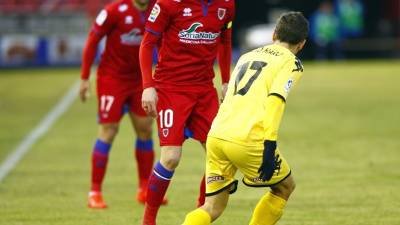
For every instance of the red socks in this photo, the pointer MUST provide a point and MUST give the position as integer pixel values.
(202, 195)
(157, 187)
(99, 164)
(144, 154)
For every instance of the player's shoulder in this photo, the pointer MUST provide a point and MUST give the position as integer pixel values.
(170, 3)
(298, 65)
(293, 63)
(280, 56)
(117, 7)
(226, 7)
(230, 4)
(171, 6)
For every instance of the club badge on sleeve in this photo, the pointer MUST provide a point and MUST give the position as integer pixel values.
(154, 13)
(288, 85)
(101, 18)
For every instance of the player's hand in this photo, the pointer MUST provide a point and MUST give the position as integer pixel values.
(84, 90)
(224, 88)
(149, 101)
(269, 162)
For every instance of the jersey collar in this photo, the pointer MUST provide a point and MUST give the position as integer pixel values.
(205, 6)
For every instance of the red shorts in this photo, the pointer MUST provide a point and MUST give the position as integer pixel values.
(185, 113)
(115, 94)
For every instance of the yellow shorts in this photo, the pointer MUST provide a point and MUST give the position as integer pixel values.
(224, 158)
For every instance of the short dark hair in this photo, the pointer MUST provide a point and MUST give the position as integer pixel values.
(292, 28)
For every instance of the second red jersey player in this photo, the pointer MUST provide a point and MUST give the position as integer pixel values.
(119, 86)
(190, 34)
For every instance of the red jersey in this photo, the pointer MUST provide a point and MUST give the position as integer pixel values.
(190, 32)
(123, 25)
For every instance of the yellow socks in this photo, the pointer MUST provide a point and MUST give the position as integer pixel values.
(197, 217)
(268, 210)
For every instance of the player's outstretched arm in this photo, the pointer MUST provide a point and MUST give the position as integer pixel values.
(275, 105)
(149, 96)
(89, 54)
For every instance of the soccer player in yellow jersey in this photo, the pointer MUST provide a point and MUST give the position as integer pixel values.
(244, 133)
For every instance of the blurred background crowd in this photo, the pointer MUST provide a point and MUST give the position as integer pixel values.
(53, 32)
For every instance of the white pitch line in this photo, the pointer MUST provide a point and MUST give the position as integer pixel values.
(25, 145)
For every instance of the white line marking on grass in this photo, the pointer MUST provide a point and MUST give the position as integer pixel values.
(41, 129)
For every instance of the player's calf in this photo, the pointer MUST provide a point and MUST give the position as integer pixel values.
(158, 185)
(214, 208)
(271, 206)
(99, 165)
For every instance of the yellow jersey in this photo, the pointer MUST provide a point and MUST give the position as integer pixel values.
(270, 70)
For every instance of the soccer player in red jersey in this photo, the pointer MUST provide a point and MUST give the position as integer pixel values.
(119, 87)
(191, 34)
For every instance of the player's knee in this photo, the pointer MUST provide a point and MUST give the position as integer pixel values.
(108, 132)
(285, 188)
(112, 131)
(144, 132)
(289, 186)
(292, 187)
(170, 162)
(289, 189)
(143, 126)
(170, 156)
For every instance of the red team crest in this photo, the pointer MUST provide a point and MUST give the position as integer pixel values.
(165, 132)
(221, 13)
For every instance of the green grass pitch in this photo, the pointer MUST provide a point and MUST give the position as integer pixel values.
(340, 134)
